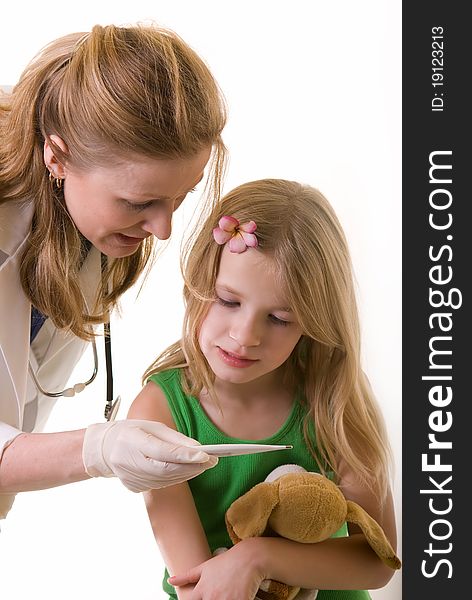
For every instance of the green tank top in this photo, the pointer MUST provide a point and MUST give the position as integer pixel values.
(214, 490)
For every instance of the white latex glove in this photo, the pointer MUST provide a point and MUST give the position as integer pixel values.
(143, 454)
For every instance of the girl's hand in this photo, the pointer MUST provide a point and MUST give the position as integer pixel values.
(233, 575)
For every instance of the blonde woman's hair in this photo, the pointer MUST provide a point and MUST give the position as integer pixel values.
(298, 228)
(108, 94)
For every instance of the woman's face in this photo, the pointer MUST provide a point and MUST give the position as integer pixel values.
(116, 207)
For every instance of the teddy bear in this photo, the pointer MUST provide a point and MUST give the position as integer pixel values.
(304, 507)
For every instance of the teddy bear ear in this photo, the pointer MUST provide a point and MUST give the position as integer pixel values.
(374, 534)
(248, 515)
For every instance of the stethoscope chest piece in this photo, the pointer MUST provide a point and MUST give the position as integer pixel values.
(112, 408)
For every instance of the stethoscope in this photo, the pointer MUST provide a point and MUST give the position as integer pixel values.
(111, 407)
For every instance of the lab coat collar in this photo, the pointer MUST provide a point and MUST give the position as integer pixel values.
(15, 225)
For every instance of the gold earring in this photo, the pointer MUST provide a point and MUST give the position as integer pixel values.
(57, 181)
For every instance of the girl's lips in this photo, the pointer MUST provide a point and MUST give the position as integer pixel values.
(233, 360)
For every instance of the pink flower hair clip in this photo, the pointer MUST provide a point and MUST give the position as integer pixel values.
(240, 236)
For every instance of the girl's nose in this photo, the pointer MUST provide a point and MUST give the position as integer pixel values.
(245, 331)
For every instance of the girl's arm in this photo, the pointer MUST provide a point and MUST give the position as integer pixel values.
(172, 513)
(337, 563)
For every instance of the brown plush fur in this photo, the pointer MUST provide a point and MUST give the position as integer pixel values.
(303, 507)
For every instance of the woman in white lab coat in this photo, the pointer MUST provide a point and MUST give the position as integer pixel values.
(101, 140)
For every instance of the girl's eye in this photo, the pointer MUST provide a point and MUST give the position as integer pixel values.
(276, 321)
(228, 303)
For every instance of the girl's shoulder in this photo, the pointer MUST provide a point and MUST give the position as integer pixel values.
(155, 399)
(169, 379)
(166, 389)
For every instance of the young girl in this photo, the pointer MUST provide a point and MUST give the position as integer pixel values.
(270, 352)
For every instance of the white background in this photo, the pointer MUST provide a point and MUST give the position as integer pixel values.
(314, 93)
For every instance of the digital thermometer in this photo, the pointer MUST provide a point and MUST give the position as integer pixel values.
(238, 449)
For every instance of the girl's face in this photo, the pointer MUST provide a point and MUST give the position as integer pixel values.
(249, 330)
(116, 207)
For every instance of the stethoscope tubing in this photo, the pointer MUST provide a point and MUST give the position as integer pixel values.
(76, 388)
(111, 407)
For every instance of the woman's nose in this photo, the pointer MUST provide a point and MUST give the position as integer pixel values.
(159, 223)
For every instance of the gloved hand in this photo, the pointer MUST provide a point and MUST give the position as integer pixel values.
(143, 454)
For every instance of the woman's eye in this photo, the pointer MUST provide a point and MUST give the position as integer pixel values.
(229, 303)
(137, 207)
(276, 321)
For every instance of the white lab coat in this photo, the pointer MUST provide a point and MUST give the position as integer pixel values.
(53, 353)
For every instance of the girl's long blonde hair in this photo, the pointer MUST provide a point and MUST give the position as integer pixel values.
(112, 92)
(298, 228)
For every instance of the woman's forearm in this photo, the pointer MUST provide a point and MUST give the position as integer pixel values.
(338, 563)
(35, 461)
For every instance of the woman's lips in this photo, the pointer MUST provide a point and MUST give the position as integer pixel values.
(233, 360)
(126, 240)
